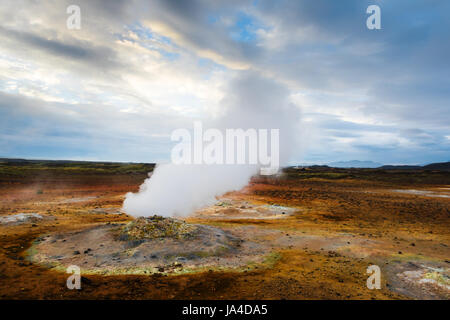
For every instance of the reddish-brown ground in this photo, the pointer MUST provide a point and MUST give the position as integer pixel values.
(354, 204)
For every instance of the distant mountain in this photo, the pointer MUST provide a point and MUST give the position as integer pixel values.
(355, 164)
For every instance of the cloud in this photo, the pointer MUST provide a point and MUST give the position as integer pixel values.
(102, 57)
(94, 131)
(173, 61)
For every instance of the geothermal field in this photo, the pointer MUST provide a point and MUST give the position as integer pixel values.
(306, 233)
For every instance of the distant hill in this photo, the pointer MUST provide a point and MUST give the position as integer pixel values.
(442, 166)
(400, 167)
(438, 166)
(13, 161)
(355, 164)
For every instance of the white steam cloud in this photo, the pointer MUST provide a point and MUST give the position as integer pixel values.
(252, 101)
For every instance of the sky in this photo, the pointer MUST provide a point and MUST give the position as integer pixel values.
(115, 89)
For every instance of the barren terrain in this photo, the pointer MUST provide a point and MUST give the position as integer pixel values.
(306, 234)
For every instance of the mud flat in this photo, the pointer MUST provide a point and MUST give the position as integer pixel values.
(21, 218)
(420, 279)
(145, 246)
(239, 209)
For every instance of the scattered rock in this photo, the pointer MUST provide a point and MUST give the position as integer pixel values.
(157, 227)
(86, 280)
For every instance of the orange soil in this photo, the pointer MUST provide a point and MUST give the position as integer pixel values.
(402, 226)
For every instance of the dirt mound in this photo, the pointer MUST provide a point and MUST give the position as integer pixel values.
(157, 227)
(146, 246)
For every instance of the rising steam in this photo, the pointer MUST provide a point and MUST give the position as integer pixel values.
(177, 190)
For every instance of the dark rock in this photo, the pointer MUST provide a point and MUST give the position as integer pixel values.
(86, 280)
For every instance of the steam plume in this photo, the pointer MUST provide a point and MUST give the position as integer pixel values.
(252, 101)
